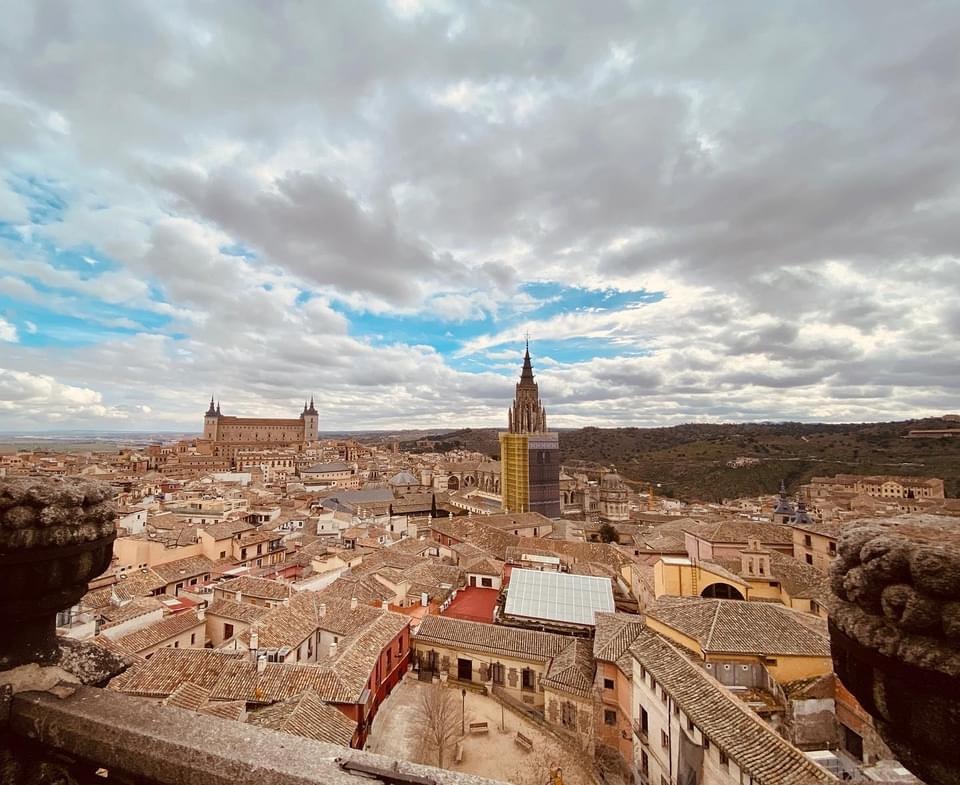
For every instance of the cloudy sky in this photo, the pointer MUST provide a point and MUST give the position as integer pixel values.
(699, 211)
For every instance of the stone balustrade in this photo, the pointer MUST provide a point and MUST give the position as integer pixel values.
(895, 630)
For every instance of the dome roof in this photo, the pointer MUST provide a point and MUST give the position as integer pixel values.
(404, 478)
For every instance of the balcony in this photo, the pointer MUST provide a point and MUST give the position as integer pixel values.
(57, 724)
(640, 733)
(895, 633)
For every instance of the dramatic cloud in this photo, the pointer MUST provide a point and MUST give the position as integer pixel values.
(726, 211)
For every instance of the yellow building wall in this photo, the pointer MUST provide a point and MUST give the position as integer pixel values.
(514, 472)
(789, 669)
(132, 552)
(678, 637)
(688, 580)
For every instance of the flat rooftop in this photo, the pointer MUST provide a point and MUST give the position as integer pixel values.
(558, 596)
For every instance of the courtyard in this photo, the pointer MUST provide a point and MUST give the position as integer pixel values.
(494, 754)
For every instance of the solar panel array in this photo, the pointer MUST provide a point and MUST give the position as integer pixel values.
(558, 596)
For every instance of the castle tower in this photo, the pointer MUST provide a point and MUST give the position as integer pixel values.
(311, 422)
(529, 454)
(210, 421)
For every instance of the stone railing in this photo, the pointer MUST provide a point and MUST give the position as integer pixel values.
(56, 726)
(895, 630)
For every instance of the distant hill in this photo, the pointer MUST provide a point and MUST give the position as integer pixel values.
(693, 461)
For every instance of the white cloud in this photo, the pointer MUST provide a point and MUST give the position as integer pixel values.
(8, 332)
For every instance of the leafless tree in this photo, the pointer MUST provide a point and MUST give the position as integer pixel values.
(438, 716)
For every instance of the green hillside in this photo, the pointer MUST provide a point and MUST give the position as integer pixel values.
(691, 461)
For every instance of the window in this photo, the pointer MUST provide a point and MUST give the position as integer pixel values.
(609, 717)
(243, 553)
(193, 638)
(486, 583)
(832, 549)
(227, 631)
(724, 761)
(664, 739)
(568, 714)
(807, 540)
(653, 683)
(663, 695)
(176, 644)
(706, 743)
(527, 680)
(808, 558)
(608, 684)
(498, 673)
(223, 554)
(644, 764)
(690, 726)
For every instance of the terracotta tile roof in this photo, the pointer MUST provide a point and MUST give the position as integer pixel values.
(572, 669)
(477, 533)
(161, 631)
(490, 638)
(240, 680)
(241, 611)
(261, 588)
(225, 530)
(284, 626)
(757, 749)
(485, 566)
(602, 553)
(167, 669)
(181, 569)
(140, 583)
(339, 618)
(187, 696)
(740, 531)
(738, 627)
(225, 710)
(112, 615)
(357, 655)
(306, 715)
(614, 633)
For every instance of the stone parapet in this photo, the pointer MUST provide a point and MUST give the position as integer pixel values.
(895, 630)
(68, 738)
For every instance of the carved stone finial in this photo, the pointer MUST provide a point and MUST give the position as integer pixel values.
(55, 535)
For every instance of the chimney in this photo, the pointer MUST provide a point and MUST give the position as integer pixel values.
(201, 614)
(254, 640)
(323, 609)
(237, 596)
(385, 605)
(333, 650)
(353, 603)
(261, 663)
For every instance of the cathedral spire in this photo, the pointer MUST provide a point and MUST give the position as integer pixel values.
(527, 414)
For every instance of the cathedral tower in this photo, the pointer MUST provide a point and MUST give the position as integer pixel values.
(529, 454)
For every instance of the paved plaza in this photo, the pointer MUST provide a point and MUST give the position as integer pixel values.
(494, 754)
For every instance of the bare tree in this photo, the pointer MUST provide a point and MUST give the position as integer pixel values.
(438, 716)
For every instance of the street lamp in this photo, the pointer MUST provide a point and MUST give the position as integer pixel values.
(463, 711)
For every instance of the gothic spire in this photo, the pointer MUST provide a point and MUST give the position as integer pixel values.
(211, 411)
(527, 414)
